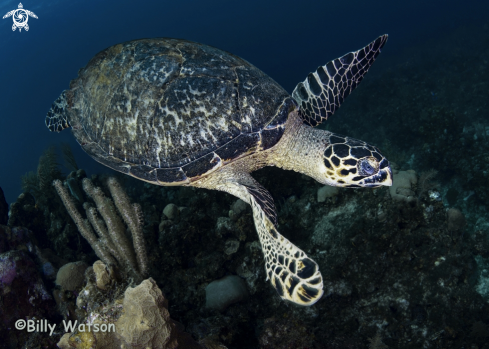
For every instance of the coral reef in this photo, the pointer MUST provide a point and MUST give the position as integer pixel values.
(111, 245)
(23, 295)
(404, 267)
(138, 319)
(285, 334)
(386, 263)
(38, 209)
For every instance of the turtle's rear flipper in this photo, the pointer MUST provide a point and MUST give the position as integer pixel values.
(295, 276)
(56, 119)
(325, 89)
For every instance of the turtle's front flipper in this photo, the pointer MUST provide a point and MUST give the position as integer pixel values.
(57, 118)
(325, 89)
(295, 276)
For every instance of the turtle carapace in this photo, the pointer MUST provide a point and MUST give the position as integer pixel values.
(174, 112)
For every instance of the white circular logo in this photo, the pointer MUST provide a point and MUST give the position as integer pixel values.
(20, 17)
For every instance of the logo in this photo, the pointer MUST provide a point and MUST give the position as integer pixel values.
(20, 17)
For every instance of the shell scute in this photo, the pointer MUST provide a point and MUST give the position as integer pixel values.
(143, 172)
(201, 166)
(170, 175)
(244, 143)
(169, 104)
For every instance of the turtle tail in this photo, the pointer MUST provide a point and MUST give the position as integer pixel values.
(57, 117)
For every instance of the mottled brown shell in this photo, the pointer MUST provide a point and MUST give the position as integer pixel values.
(169, 111)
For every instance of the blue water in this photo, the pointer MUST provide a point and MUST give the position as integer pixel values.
(286, 39)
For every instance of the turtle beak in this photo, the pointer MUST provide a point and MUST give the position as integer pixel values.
(383, 177)
(388, 180)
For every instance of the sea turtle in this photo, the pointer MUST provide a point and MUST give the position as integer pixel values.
(174, 112)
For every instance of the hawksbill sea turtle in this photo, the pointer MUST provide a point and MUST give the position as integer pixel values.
(177, 113)
(20, 17)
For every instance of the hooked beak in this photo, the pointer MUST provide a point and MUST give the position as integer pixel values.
(388, 180)
(383, 177)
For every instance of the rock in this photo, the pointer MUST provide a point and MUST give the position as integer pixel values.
(239, 206)
(17, 238)
(171, 211)
(455, 219)
(71, 276)
(103, 275)
(332, 225)
(248, 268)
(327, 192)
(164, 224)
(4, 237)
(3, 209)
(212, 343)
(7, 270)
(292, 199)
(285, 334)
(49, 270)
(231, 246)
(404, 186)
(146, 322)
(224, 225)
(23, 213)
(64, 342)
(139, 326)
(23, 295)
(143, 321)
(220, 294)
(22, 239)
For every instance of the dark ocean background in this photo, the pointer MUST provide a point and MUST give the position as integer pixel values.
(405, 266)
(285, 39)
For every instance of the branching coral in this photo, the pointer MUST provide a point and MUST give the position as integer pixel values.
(133, 217)
(37, 182)
(68, 156)
(111, 245)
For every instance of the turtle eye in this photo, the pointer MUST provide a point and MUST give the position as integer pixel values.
(367, 167)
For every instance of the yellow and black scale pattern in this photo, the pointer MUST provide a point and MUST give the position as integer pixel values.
(350, 160)
(168, 110)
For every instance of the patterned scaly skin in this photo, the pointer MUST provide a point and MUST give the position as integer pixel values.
(174, 112)
(294, 276)
(323, 91)
(310, 151)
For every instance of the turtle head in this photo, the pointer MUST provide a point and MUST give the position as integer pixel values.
(352, 163)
